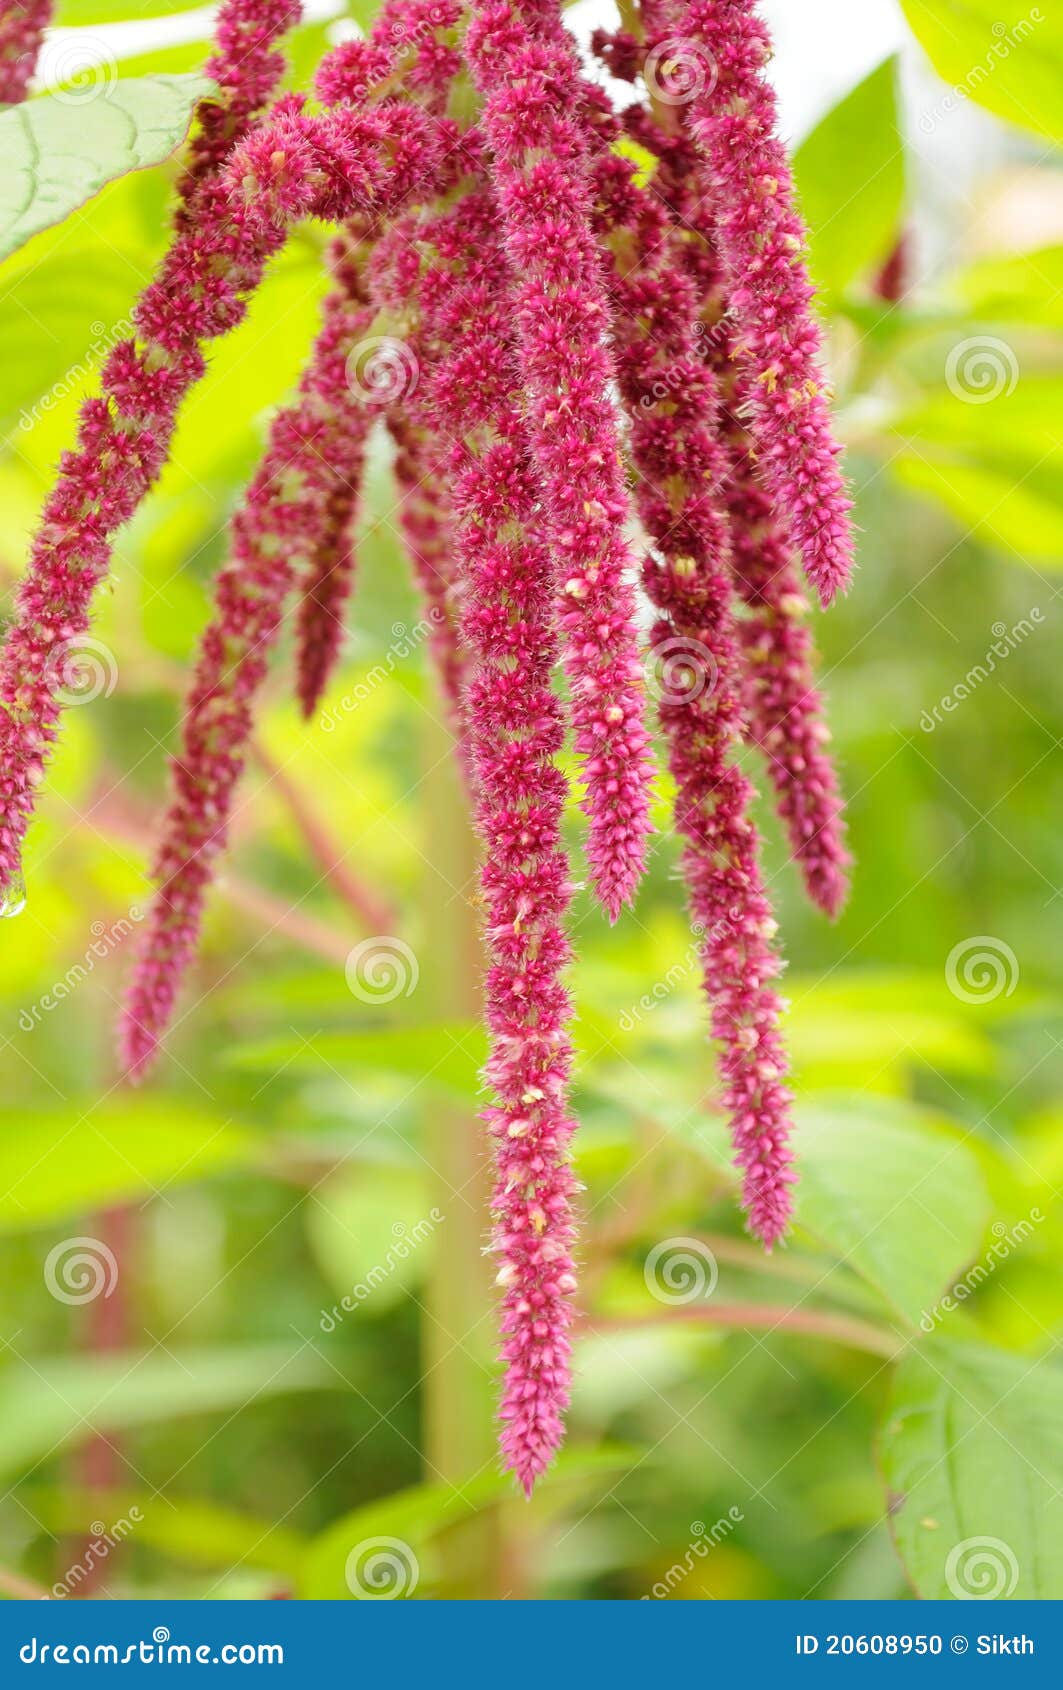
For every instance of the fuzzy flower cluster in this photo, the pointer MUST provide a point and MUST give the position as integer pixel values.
(618, 394)
(22, 27)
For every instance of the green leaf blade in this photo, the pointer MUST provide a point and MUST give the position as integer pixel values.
(60, 150)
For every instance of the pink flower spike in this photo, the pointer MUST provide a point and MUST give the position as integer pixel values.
(732, 119)
(22, 27)
(514, 733)
(527, 73)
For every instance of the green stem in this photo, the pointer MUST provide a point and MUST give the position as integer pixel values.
(739, 1317)
(459, 1327)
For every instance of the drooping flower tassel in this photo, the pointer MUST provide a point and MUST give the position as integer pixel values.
(671, 401)
(200, 291)
(784, 709)
(731, 117)
(22, 27)
(515, 731)
(529, 82)
(330, 577)
(284, 519)
(296, 165)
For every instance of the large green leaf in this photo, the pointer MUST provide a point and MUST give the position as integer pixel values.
(1026, 287)
(61, 149)
(901, 1203)
(986, 446)
(1003, 54)
(53, 1164)
(850, 179)
(55, 1401)
(972, 1451)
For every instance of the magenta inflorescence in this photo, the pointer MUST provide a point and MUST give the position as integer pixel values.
(600, 378)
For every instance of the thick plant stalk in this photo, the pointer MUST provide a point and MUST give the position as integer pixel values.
(213, 264)
(671, 399)
(528, 77)
(22, 27)
(731, 117)
(515, 731)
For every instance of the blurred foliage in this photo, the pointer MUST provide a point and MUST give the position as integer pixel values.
(253, 1389)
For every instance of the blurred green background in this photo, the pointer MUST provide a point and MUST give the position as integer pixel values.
(196, 1410)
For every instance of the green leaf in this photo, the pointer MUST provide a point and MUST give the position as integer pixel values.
(76, 14)
(971, 1446)
(1024, 288)
(850, 180)
(390, 1541)
(53, 1165)
(1003, 54)
(987, 447)
(371, 1230)
(61, 149)
(901, 1203)
(55, 1401)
